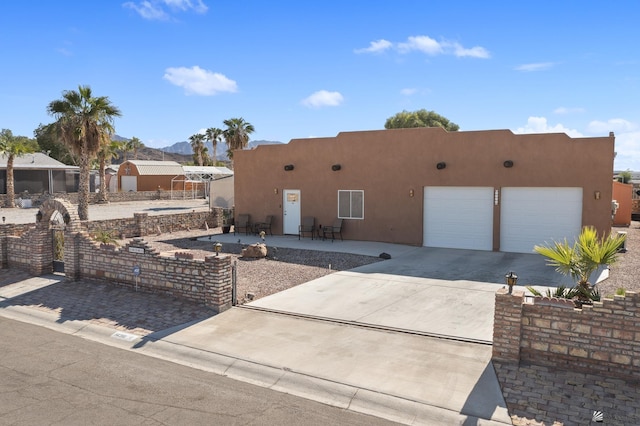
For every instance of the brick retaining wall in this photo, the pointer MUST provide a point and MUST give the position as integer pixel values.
(205, 281)
(603, 338)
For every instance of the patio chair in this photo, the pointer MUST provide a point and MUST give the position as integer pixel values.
(308, 226)
(264, 226)
(243, 222)
(333, 230)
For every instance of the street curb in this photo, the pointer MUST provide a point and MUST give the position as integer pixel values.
(282, 380)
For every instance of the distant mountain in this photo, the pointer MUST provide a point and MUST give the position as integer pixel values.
(184, 148)
(180, 151)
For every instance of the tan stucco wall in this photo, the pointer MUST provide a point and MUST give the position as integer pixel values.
(622, 193)
(388, 164)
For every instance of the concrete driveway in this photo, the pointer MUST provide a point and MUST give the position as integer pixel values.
(408, 339)
(430, 291)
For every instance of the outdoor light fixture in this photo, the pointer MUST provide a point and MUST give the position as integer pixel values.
(217, 247)
(336, 167)
(275, 190)
(288, 167)
(596, 195)
(441, 165)
(508, 164)
(38, 216)
(512, 279)
(3, 219)
(411, 193)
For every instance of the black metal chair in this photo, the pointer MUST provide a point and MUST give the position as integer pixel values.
(333, 230)
(243, 222)
(264, 226)
(308, 226)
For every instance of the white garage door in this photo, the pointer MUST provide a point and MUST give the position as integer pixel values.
(458, 217)
(530, 216)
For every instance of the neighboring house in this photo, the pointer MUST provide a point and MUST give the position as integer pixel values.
(482, 190)
(148, 175)
(38, 173)
(622, 196)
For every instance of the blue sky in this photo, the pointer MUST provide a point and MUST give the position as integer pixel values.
(297, 69)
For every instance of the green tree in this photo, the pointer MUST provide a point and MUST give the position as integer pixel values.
(214, 135)
(197, 145)
(106, 154)
(624, 177)
(236, 135)
(134, 144)
(581, 259)
(420, 118)
(13, 146)
(48, 142)
(83, 123)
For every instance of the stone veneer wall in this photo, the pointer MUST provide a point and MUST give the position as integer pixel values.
(142, 224)
(205, 281)
(600, 338)
(72, 197)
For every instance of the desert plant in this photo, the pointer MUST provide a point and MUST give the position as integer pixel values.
(620, 291)
(561, 292)
(583, 258)
(105, 237)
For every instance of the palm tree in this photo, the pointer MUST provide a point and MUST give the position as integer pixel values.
(214, 135)
(237, 134)
(84, 123)
(134, 144)
(106, 153)
(12, 147)
(583, 258)
(197, 145)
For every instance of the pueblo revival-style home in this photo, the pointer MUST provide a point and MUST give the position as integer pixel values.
(482, 190)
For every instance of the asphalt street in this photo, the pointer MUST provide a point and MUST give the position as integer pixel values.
(56, 378)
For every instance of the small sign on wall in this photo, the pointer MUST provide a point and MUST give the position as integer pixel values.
(136, 250)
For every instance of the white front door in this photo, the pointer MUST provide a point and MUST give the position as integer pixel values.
(291, 211)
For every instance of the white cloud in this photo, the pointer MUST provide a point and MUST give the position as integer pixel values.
(409, 91)
(540, 66)
(323, 98)
(628, 151)
(540, 125)
(565, 110)
(376, 47)
(474, 52)
(424, 44)
(154, 10)
(612, 125)
(198, 81)
(428, 46)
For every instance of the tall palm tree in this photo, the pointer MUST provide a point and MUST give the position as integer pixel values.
(237, 134)
(134, 144)
(107, 153)
(12, 147)
(84, 123)
(214, 135)
(197, 145)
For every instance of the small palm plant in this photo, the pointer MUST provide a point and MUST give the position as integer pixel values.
(105, 237)
(582, 259)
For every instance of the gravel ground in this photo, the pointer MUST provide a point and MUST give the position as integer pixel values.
(283, 268)
(625, 273)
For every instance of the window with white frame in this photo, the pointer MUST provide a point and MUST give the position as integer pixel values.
(350, 204)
